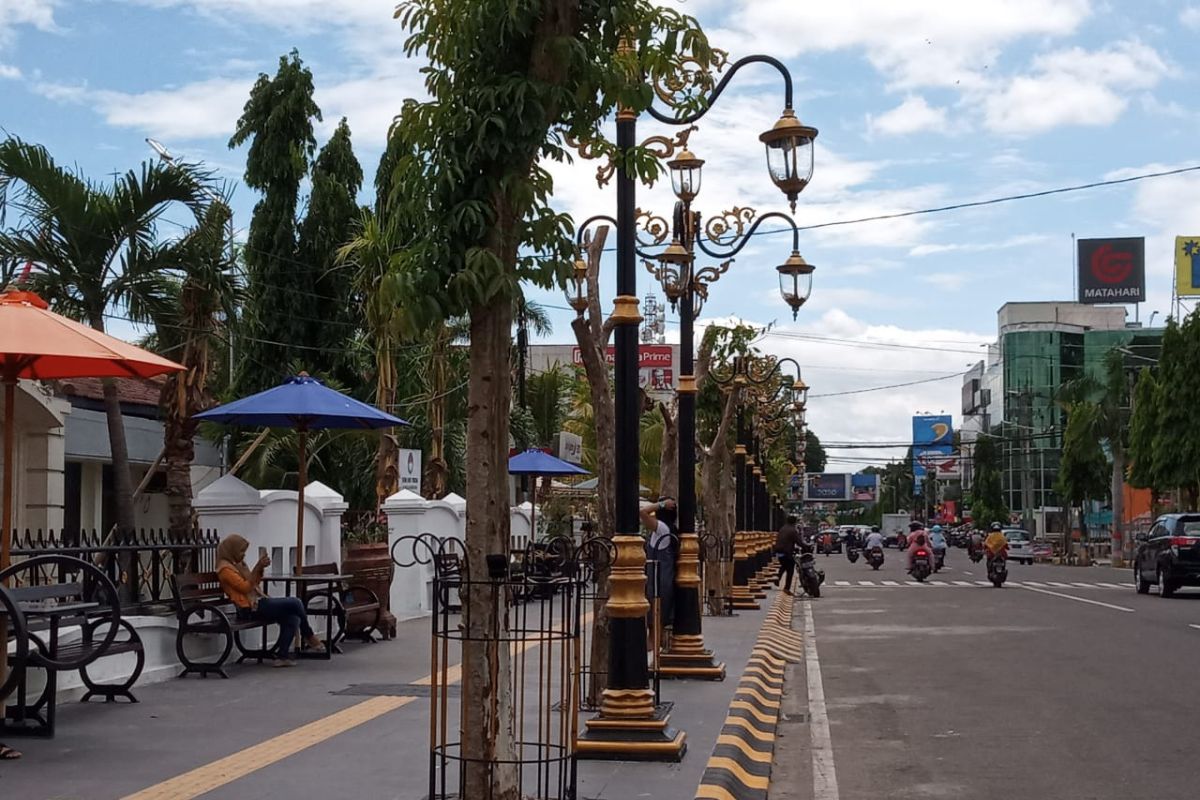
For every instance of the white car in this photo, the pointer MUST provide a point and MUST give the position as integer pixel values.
(1020, 546)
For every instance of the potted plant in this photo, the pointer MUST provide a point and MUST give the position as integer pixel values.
(365, 556)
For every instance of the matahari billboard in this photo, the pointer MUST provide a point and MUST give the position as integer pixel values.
(1112, 270)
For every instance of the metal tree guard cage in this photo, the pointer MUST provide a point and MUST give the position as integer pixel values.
(534, 607)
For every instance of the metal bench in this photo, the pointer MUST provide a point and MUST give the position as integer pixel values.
(351, 601)
(37, 611)
(202, 608)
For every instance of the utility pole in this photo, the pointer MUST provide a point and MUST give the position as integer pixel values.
(1026, 399)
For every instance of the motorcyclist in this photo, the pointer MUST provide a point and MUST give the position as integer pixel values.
(975, 543)
(917, 540)
(996, 543)
(874, 539)
(937, 540)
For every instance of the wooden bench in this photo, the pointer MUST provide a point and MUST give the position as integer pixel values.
(344, 605)
(201, 607)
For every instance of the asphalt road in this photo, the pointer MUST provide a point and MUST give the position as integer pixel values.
(1067, 691)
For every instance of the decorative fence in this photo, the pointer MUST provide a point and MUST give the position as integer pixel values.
(139, 563)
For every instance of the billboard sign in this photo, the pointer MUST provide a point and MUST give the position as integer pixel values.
(827, 487)
(568, 447)
(410, 470)
(946, 464)
(656, 366)
(932, 429)
(1112, 270)
(928, 454)
(1187, 266)
(864, 488)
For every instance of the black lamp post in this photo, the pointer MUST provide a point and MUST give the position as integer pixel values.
(629, 725)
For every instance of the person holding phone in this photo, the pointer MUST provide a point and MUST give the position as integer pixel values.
(241, 585)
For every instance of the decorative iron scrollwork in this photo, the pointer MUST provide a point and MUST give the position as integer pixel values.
(730, 225)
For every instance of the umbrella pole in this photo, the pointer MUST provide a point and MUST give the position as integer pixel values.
(10, 399)
(300, 502)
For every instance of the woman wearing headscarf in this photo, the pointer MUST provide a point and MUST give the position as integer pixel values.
(662, 548)
(241, 585)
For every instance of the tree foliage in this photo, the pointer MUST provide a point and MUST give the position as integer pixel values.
(277, 121)
(1084, 469)
(987, 495)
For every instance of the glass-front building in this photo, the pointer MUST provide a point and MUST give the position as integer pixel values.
(1035, 364)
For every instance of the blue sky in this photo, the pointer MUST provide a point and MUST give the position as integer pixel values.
(919, 104)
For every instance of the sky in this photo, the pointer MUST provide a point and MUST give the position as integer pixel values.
(919, 105)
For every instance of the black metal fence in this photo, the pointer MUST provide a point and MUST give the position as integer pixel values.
(716, 575)
(139, 563)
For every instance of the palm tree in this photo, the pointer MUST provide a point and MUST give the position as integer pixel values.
(187, 329)
(92, 246)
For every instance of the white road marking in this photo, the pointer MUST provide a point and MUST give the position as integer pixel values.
(1112, 586)
(1076, 599)
(890, 583)
(983, 583)
(1197, 627)
(1034, 583)
(825, 785)
(866, 583)
(938, 583)
(972, 574)
(963, 583)
(1084, 585)
(841, 583)
(1058, 585)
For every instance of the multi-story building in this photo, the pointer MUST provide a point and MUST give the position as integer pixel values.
(1013, 393)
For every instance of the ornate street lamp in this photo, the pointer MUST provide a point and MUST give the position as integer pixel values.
(795, 281)
(685, 175)
(790, 154)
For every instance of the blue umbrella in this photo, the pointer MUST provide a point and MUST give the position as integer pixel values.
(538, 462)
(304, 404)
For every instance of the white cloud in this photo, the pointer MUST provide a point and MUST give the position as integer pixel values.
(930, 43)
(1073, 87)
(912, 116)
(38, 13)
(9, 72)
(950, 281)
(295, 15)
(1024, 240)
(1190, 17)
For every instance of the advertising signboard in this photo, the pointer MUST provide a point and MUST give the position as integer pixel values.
(932, 429)
(947, 464)
(656, 366)
(410, 470)
(568, 447)
(864, 488)
(1187, 266)
(827, 487)
(1112, 270)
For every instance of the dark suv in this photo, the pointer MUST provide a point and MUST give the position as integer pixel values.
(1169, 555)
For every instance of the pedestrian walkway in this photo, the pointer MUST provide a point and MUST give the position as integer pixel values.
(960, 584)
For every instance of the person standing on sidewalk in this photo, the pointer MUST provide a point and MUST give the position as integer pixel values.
(785, 550)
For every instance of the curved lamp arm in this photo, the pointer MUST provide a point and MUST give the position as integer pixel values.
(605, 218)
(744, 239)
(716, 92)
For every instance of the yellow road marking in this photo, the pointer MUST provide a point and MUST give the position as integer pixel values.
(708, 791)
(739, 772)
(746, 725)
(226, 770)
(744, 746)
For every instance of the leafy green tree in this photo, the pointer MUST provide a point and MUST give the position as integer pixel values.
(987, 495)
(93, 248)
(188, 329)
(329, 223)
(508, 83)
(1084, 471)
(815, 458)
(1177, 418)
(282, 301)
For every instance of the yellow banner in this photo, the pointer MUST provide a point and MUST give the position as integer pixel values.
(1187, 266)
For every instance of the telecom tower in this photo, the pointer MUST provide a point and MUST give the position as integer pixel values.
(654, 327)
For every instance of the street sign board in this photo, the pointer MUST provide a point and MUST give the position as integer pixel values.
(1112, 270)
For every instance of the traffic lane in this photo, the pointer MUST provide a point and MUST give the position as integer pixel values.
(993, 693)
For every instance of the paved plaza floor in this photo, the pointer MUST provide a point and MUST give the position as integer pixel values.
(294, 733)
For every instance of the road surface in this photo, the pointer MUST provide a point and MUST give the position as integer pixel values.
(1064, 685)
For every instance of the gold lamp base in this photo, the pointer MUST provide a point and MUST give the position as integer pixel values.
(644, 739)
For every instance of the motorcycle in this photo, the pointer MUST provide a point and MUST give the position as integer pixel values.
(939, 560)
(976, 554)
(852, 553)
(998, 570)
(875, 557)
(811, 578)
(921, 565)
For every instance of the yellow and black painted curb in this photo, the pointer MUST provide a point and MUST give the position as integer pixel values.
(740, 765)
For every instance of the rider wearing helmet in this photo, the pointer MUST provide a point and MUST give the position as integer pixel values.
(917, 539)
(937, 540)
(996, 542)
(874, 539)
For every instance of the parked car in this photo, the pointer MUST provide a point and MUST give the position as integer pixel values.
(1020, 545)
(1168, 555)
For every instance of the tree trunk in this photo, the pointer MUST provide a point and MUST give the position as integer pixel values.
(668, 460)
(592, 336)
(717, 498)
(487, 701)
(387, 454)
(437, 474)
(1118, 508)
(179, 431)
(122, 480)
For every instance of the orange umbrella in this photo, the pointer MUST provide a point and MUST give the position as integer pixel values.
(39, 344)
